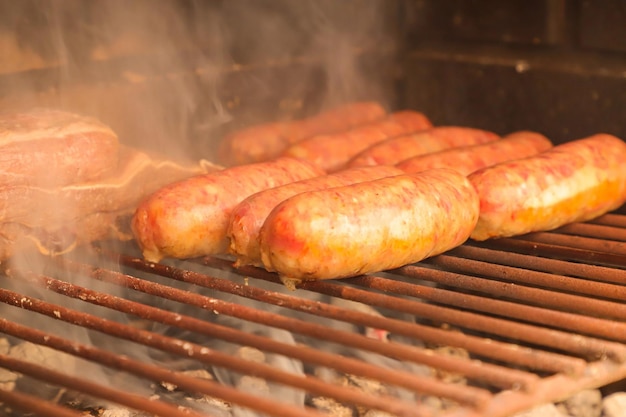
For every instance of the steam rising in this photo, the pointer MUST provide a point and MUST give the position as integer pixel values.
(173, 75)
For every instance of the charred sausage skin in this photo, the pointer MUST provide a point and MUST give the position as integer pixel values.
(189, 218)
(397, 149)
(266, 141)
(467, 159)
(572, 182)
(368, 227)
(249, 215)
(332, 152)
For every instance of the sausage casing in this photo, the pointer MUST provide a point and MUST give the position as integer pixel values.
(249, 215)
(266, 141)
(189, 218)
(332, 152)
(395, 150)
(467, 159)
(369, 226)
(572, 182)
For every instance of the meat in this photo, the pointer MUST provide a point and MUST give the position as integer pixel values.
(248, 217)
(332, 152)
(395, 150)
(266, 141)
(55, 220)
(467, 159)
(47, 147)
(368, 227)
(572, 182)
(189, 218)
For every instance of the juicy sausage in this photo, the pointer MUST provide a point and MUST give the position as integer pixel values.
(369, 226)
(572, 182)
(248, 217)
(266, 141)
(189, 218)
(332, 152)
(467, 159)
(395, 150)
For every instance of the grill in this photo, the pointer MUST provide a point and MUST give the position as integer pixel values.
(485, 329)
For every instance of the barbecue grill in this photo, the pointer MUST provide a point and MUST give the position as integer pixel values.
(487, 329)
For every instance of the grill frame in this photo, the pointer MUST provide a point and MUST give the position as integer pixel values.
(496, 299)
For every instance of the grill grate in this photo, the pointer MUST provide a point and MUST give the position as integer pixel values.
(489, 328)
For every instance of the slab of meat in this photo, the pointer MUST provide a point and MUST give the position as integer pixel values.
(332, 152)
(249, 215)
(189, 218)
(46, 147)
(368, 227)
(467, 159)
(572, 182)
(56, 220)
(266, 141)
(395, 150)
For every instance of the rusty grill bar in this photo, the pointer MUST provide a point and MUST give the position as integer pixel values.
(540, 317)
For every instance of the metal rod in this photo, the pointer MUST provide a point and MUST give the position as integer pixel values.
(565, 301)
(134, 401)
(553, 266)
(510, 353)
(32, 404)
(472, 396)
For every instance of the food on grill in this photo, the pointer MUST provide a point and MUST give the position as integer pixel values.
(332, 152)
(189, 218)
(572, 182)
(467, 159)
(369, 226)
(55, 220)
(395, 150)
(248, 217)
(47, 147)
(266, 141)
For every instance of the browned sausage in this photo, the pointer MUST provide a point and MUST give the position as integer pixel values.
(395, 150)
(467, 159)
(248, 217)
(332, 152)
(266, 141)
(189, 218)
(572, 182)
(369, 226)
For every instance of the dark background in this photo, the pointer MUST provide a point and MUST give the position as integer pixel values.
(199, 68)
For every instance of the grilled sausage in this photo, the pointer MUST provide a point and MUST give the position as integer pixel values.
(248, 217)
(266, 141)
(395, 150)
(368, 227)
(467, 159)
(572, 182)
(189, 218)
(332, 152)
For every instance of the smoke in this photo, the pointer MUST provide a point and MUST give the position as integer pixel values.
(174, 75)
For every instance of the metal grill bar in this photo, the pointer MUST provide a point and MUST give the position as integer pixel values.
(159, 408)
(155, 373)
(211, 357)
(510, 353)
(507, 301)
(32, 404)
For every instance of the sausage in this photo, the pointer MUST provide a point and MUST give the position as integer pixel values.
(189, 218)
(266, 141)
(332, 152)
(572, 182)
(395, 150)
(368, 227)
(467, 159)
(248, 217)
